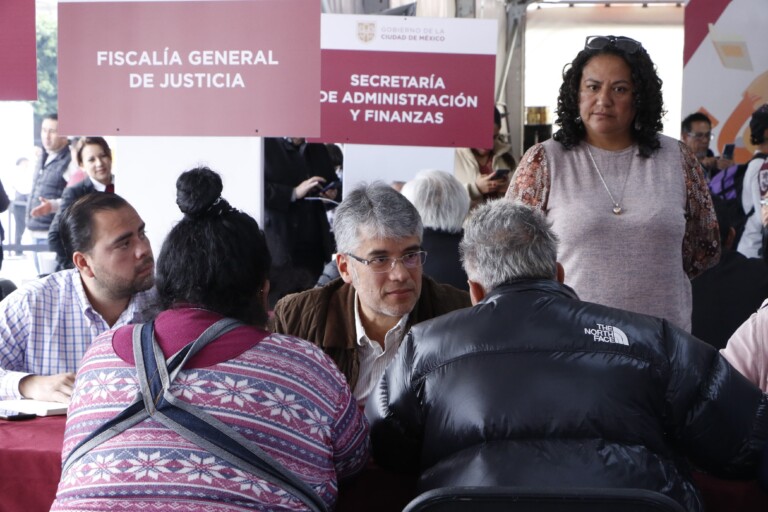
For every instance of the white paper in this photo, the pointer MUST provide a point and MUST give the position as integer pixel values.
(39, 407)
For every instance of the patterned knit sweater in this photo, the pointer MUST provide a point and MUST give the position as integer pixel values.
(278, 391)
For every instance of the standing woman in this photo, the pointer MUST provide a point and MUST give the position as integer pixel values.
(631, 206)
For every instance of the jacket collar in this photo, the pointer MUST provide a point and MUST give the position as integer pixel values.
(547, 286)
(339, 329)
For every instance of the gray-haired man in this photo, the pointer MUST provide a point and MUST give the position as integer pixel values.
(361, 318)
(534, 388)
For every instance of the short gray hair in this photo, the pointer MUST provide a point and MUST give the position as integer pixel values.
(377, 209)
(441, 199)
(506, 241)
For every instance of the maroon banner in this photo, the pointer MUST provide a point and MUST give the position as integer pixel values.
(190, 68)
(408, 81)
(18, 56)
(407, 99)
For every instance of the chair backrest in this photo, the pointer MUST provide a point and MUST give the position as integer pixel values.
(526, 499)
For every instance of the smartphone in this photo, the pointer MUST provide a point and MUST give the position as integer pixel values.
(329, 186)
(728, 151)
(500, 174)
(5, 414)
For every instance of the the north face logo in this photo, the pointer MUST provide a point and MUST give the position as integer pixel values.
(607, 334)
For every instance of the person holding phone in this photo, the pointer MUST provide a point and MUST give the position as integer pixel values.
(296, 225)
(696, 132)
(485, 172)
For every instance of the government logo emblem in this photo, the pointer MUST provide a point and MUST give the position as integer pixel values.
(366, 31)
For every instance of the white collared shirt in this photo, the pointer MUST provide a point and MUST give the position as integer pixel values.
(372, 358)
(99, 186)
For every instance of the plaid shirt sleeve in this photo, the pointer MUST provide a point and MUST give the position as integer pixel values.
(14, 333)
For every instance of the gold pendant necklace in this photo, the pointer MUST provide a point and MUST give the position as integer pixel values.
(617, 209)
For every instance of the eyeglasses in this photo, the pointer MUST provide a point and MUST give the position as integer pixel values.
(700, 135)
(622, 43)
(382, 264)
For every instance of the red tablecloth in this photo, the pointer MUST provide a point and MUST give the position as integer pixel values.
(727, 495)
(30, 463)
(30, 467)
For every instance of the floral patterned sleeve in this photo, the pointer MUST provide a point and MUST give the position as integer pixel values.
(531, 180)
(701, 242)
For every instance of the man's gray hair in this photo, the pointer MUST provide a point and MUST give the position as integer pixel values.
(378, 211)
(506, 241)
(441, 199)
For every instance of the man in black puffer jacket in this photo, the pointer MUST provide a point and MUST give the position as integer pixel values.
(533, 387)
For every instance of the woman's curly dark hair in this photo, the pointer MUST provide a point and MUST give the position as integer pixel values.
(649, 103)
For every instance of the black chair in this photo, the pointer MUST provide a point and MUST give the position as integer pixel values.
(526, 499)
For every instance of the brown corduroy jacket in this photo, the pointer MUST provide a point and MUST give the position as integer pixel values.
(326, 317)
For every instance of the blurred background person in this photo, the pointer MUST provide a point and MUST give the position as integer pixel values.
(725, 295)
(485, 172)
(753, 190)
(295, 223)
(94, 157)
(252, 390)
(19, 183)
(696, 132)
(5, 202)
(75, 173)
(48, 184)
(443, 204)
(747, 348)
(630, 205)
(337, 160)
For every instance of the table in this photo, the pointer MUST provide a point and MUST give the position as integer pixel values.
(30, 467)
(30, 463)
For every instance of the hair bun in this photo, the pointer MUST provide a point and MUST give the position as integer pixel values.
(197, 190)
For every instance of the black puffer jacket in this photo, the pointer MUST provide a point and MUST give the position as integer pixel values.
(533, 387)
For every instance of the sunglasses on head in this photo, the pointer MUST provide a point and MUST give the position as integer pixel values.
(625, 44)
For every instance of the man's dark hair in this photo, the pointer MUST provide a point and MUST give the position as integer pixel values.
(336, 155)
(687, 125)
(758, 124)
(76, 222)
(648, 100)
(53, 116)
(216, 257)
